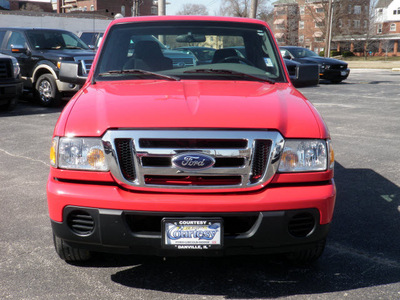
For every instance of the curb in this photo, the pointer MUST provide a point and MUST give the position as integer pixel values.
(396, 69)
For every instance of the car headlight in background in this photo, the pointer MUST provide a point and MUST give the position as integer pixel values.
(16, 68)
(78, 154)
(306, 156)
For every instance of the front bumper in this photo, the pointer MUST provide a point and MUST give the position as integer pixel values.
(130, 222)
(118, 231)
(67, 87)
(335, 74)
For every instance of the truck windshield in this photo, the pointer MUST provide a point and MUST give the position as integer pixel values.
(54, 40)
(302, 52)
(175, 48)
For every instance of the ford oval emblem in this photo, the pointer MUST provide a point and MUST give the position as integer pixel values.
(193, 161)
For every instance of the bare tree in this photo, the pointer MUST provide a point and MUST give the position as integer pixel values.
(31, 7)
(241, 8)
(267, 15)
(193, 9)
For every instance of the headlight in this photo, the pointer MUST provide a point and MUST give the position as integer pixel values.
(78, 153)
(16, 68)
(326, 67)
(306, 156)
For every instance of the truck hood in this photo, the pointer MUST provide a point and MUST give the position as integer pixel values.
(320, 60)
(67, 53)
(191, 104)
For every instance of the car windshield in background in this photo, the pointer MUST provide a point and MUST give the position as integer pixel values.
(237, 50)
(54, 40)
(301, 52)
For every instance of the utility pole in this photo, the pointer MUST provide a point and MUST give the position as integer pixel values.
(161, 12)
(135, 10)
(161, 7)
(253, 9)
(328, 35)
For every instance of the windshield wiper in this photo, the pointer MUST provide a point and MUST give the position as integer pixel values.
(140, 72)
(229, 72)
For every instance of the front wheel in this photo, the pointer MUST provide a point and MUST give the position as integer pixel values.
(47, 93)
(68, 253)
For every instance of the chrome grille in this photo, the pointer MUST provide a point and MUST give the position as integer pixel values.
(85, 64)
(142, 159)
(180, 62)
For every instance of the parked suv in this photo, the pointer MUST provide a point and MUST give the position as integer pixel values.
(10, 82)
(223, 158)
(39, 53)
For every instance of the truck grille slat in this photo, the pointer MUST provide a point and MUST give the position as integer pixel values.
(125, 157)
(192, 143)
(5, 68)
(146, 159)
(261, 154)
(193, 180)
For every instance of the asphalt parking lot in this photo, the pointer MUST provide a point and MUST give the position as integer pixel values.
(361, 260)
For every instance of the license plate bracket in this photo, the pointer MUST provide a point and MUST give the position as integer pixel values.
(192, 233)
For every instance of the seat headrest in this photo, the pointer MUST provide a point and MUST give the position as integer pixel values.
(147, 49)
(223, 53)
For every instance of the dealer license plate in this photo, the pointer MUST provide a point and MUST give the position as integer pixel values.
(192, 234)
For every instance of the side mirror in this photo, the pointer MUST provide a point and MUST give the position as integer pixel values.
(70, 72)
(18, 49)
(287, 56)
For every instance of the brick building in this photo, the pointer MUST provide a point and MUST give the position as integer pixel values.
(387, 27)
(109, 8)
(30, 5)
(305, 22)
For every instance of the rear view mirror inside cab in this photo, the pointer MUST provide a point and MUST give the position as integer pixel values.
(191, 38)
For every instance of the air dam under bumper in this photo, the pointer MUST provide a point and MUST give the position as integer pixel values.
(120, 231)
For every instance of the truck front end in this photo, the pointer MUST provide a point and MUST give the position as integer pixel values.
(216, 159)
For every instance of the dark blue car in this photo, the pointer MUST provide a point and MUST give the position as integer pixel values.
(331, 69)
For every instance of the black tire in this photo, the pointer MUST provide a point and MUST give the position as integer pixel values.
(11, 104)
(308, 255)
(70, 254)
(46, 91)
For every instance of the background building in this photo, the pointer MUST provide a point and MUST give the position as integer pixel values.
(30, 5)
(305, 22)
(387, 26)
(126, 8)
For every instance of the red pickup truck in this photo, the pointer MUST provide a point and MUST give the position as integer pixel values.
(221, 158)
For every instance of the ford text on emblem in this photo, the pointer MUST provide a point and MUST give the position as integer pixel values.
(193, 161)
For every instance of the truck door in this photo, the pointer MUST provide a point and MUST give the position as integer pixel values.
(17, 46)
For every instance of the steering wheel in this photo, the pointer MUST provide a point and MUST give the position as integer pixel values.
(236, 59)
